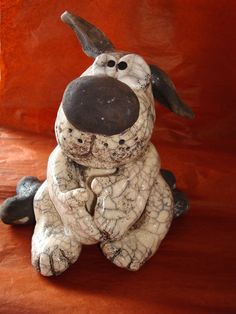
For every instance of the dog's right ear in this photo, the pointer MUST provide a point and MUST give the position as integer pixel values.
(93, 41)
(164, 91)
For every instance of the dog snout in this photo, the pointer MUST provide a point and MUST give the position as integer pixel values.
(100, 105)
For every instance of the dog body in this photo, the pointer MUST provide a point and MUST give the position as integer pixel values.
(104, 183)
(105, 189)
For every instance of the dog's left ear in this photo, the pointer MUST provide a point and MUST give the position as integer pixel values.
(164, 91)
(93, 40)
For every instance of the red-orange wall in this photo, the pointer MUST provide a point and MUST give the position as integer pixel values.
(193, 40)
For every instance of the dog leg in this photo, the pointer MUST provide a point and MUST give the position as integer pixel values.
(123, 198)
(71, 197)
(144, 238)
(53, 251)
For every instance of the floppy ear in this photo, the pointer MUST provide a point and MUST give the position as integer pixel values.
(164, 91)
(93, 41)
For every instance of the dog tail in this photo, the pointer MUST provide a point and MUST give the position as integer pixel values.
(181, 204)
(18, 210)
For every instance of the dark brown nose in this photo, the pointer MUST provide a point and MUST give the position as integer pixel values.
(100, 105)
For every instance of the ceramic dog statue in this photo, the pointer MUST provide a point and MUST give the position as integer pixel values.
(104, 183)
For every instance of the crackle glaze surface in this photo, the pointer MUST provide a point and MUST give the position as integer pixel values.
(104, 183)
(104, 189)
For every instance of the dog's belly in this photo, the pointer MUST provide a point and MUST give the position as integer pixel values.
(110, 201)
(120, 200)
(98, 183)
(117, 197)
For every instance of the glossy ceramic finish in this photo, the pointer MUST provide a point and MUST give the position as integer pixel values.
(194, 268)
(103, 179)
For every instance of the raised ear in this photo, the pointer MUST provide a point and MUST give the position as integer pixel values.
(164, 91)
(93, 41)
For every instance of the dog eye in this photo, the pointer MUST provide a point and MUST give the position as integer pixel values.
(111, 63)
(122, 65)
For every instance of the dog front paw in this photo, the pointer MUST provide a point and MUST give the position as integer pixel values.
(55, 255)
(132, 251)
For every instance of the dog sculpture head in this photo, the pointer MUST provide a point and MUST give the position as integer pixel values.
(107, 114)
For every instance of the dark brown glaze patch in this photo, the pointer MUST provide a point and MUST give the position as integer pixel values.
(100, 105)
